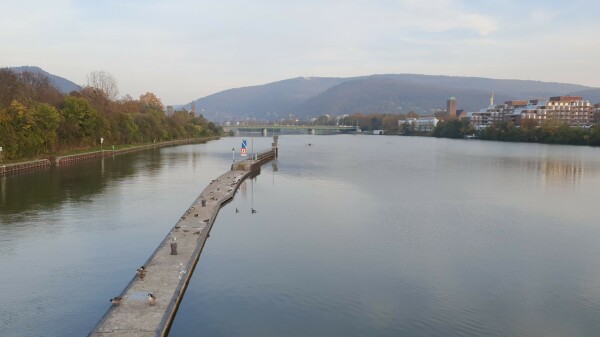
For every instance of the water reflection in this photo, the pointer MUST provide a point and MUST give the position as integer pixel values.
(70, 237)
(48, 189)
(560, 172)
(420, 237)
(354, 236)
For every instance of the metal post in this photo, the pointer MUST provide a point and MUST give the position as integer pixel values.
(233, 153)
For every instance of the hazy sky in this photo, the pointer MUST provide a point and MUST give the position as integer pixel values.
(184, 49)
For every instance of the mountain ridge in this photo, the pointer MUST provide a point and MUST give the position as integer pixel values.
(305, 97)
(63, 85)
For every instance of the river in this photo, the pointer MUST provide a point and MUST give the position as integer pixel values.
(353, 236)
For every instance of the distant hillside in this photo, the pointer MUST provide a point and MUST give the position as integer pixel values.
(380, 94)
(593, 95)
(389, 93)
(270, 101)
(62, 84)
(512, 88)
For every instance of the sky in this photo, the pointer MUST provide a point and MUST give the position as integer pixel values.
(182, 50)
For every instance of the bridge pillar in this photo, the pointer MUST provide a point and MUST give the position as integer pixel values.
(265, 132)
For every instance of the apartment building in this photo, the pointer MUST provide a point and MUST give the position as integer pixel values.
(572, 110)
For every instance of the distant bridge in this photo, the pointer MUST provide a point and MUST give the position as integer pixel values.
(310, 129)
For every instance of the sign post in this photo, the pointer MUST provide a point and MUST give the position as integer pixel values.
(243, 150)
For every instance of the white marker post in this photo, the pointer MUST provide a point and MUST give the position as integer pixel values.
(0, 154)
(101, 141)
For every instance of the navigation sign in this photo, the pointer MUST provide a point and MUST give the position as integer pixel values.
(243, 150)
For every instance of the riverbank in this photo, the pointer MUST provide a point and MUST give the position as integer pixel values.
(69, 158)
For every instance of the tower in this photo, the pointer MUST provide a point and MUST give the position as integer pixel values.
(451, 107)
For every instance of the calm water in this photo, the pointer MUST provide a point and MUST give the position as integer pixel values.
(354, 236)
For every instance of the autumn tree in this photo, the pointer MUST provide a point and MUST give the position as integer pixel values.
(104, 82)
(390, 122)
(412, 114)
(149, 101)
(81, 123)
(47, 120)
(10, 86)
(37, 87)
(128, 105)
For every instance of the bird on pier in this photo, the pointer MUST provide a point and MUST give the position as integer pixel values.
(151, 299)
(253, 211)
(116, 300)
(141, 272)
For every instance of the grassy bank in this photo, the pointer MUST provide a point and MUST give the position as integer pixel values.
(111, 148)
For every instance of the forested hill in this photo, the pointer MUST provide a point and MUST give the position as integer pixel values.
(62, 84)
(36, 119)
(389, 93)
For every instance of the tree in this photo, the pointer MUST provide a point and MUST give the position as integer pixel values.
(104, 82)
(10, 87)
(149, 101)
(412, 114)
(451, 129)
(37, 87)
(390, 122)
(47, 120)
(81, 123)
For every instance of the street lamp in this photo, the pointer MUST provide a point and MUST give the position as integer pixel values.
(252, 135)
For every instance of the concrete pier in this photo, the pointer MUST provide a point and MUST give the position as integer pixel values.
(167, 275)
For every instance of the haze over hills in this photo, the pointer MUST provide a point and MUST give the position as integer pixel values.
(62, 84)
(306, 97)
(269, 101)
(389, 93)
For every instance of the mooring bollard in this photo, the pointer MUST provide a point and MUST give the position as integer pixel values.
(173, 248)
(203, 203)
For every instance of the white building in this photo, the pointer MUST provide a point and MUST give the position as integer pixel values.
(422, 124)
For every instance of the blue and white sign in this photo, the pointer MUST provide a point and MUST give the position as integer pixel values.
(243, 150)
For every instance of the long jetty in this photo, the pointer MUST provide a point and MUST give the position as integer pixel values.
(170, 267)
